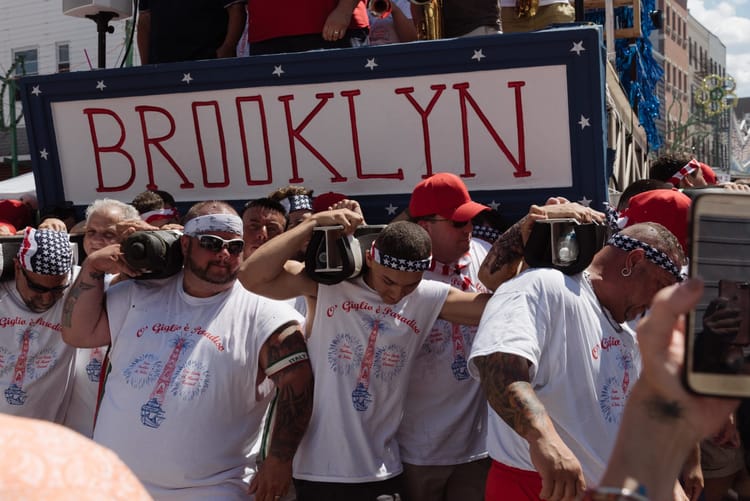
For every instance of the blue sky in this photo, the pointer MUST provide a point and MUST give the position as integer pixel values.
(730, 21)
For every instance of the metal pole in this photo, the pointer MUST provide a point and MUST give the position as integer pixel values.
(609, 29)
(102, 20)
(579, 11)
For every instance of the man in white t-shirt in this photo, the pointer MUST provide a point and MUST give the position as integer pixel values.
(100, 230)
(364, 335)
(443, 433)
(36, 366)
(557, 361)
(183, 401)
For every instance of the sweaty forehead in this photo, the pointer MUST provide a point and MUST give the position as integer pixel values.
(103, 220)
(659, 276)
(264, 214)
(402, 278)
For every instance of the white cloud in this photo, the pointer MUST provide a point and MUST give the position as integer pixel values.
(730, 21)
(741, 73)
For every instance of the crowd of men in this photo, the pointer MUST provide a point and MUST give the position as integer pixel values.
(444, 369)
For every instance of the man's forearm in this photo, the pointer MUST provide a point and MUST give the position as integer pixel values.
(502, 261)
(83, 308)
(505, 381)
(267, 262)
(294, 401)
(235, 27)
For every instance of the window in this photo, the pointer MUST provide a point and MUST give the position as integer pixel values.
(28, 64)
(30, 60)
(63, 57)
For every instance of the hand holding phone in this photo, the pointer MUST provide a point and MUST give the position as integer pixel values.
(718, 329)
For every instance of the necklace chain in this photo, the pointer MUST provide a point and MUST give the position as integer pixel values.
(617, 327)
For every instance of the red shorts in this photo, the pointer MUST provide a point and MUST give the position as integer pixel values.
(511, 484)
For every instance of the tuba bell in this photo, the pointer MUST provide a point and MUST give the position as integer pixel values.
(431, 25)
(380, 8)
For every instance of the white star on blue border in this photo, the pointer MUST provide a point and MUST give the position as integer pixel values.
(578, 48)
(478, 55)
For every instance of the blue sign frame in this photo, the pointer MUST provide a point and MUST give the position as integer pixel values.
(579, 48)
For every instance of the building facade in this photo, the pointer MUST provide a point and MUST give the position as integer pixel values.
(709, 130)
(37, 32)
(671, 48)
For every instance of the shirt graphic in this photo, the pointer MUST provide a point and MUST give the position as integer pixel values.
(185, 380)
(25, 366)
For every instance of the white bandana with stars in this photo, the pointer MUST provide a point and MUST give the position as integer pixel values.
(46, 252)
(398, 263)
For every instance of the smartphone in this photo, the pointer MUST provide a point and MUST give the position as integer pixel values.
(717, 357)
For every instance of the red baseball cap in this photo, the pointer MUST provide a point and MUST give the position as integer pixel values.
(325, 200)
(446, 195)
(669, 208)
(708, 174)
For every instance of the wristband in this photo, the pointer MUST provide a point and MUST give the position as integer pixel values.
(285, 362)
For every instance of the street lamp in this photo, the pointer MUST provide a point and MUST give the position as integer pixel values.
(101, 12)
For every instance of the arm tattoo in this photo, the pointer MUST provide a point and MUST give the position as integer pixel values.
(505, 381)
(79, 287)
(664, 410)
(506, 249)
(294, 400)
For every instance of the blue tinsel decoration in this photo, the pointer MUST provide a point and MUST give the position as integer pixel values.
(637, 69)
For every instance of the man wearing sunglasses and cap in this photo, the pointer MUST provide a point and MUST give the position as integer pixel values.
(191, 360)
(36, 366)
(443, 432)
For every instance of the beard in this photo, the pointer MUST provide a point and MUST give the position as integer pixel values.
(214, 272)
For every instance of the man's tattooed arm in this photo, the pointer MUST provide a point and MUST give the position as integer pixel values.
(79, 288)
(294, 400)
(506, 384)
(284, 359)
(84, 319)
(503, 260)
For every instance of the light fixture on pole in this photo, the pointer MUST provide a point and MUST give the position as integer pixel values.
(101, 12)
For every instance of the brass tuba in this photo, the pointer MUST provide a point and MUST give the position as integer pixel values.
(380, 8)
(431, 26)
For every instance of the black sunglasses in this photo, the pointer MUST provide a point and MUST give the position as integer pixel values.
(41, 289)
(216, 244)
(456, 224)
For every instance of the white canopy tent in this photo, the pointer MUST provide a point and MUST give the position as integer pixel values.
(16, 187)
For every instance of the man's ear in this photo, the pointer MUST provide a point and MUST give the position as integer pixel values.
(634, 257)
(184, 243)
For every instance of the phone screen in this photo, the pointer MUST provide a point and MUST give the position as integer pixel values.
(718, 349)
